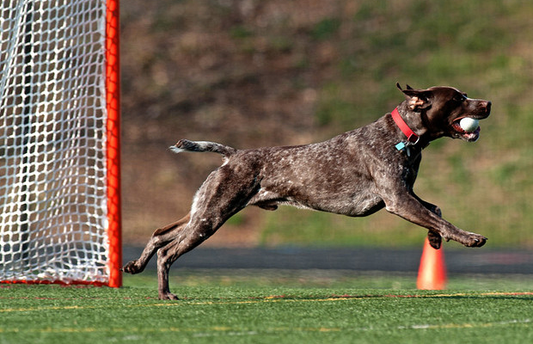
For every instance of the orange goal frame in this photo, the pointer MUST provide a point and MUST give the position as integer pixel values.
(113, 143)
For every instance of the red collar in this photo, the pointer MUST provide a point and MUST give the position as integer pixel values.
(408, 132)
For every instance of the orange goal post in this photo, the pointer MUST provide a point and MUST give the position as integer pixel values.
(60, 142)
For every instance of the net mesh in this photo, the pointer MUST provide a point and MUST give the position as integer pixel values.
(52, 141)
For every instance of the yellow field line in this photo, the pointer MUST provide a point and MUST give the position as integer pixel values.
(527, 322)
(265, 300)
(159, 330)
(178, 304)
(274, 299)
(52, 308)
(268, 299)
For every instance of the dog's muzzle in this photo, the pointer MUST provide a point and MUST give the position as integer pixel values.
(472, 136)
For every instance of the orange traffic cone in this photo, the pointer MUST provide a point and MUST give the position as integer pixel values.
(432, 270)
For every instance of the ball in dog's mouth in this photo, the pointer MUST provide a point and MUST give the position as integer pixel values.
(467, 128)
(469, 124)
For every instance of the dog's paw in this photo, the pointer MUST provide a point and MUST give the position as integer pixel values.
(435, 240)
(132, 268)
(167, 296)
(474, 240)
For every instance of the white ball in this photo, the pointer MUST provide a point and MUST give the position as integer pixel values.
(469, 124)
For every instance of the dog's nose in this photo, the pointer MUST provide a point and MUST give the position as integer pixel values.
(488, 105)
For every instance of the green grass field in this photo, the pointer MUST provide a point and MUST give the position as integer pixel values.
(272, 307)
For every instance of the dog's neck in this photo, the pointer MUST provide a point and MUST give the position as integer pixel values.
(413, 139)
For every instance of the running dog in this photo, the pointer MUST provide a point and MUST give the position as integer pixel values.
(355, 174)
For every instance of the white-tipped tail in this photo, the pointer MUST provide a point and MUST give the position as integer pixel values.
(176, 150)
(202, 146)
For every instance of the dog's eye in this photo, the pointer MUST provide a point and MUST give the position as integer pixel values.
(460, 98)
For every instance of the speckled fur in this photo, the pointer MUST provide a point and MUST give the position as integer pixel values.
(355, 174)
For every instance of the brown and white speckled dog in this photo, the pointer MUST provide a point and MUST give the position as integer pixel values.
(355, 174)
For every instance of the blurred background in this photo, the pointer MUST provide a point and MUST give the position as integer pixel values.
(251, 73)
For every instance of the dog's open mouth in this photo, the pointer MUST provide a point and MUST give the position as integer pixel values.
(470, 136)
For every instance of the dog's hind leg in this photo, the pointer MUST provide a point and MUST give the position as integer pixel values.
(161, 237)
(196, 232)
(199, 229)
(222, 195)
(168, 254)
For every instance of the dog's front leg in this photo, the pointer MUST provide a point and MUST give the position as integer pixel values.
(431, 207)
(435, 240)
(409, 208)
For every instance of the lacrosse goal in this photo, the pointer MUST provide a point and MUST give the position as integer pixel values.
(59, 142)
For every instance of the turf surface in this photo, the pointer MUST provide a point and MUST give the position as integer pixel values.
(241, 307)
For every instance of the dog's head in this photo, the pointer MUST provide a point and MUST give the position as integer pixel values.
(437, 111)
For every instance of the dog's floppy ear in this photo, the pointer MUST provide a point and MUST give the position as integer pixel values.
(417, 100)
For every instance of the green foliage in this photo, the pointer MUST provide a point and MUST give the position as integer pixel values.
(240, 32)
(326, 28)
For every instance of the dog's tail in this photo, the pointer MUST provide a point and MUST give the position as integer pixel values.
(184, 145)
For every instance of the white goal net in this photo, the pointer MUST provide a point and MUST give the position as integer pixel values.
(53, 142)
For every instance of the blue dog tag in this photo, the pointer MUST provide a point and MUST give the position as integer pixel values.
(400, 146)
